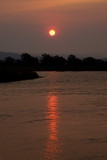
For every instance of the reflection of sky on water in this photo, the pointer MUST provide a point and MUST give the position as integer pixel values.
(53, 144)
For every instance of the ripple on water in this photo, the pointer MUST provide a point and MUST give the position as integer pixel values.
(5, 116)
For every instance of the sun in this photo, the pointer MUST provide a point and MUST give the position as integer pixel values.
(52, 32)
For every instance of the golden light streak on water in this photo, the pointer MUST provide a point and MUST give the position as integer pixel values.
(53, 146)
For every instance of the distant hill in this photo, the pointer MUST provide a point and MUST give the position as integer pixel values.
(3, 55)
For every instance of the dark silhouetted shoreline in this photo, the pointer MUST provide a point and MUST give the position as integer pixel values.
(24, 68)
(7, 76)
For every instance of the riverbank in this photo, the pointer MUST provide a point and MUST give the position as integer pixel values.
(10, 76)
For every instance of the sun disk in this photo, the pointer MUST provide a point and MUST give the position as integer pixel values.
(52, 32)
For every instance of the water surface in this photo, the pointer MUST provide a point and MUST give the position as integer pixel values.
(62, 116)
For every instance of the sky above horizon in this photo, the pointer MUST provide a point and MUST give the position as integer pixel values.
(81, 27)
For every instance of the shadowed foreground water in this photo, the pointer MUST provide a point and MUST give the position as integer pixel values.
(62, 116)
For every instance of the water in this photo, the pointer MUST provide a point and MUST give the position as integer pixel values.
(62, 116)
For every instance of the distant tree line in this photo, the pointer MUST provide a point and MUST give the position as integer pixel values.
(54, 63)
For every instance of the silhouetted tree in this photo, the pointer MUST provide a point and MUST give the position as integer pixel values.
(74, 63)
(52, 62)
(71, 57)
(49, 62)
(9, 61)
(90, 60)
(90, 63)
(46, 60)
(28, 60)
(59, 62)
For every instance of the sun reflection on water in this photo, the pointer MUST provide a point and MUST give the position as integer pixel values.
(53, 146)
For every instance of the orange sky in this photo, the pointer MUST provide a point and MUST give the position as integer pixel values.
(14, 6)
(80, 26)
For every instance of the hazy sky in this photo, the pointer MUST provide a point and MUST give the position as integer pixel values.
(81, 27)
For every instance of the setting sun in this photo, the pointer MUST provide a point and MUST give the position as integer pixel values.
(52, 32)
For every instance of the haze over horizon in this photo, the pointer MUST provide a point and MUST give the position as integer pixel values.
(81, 27)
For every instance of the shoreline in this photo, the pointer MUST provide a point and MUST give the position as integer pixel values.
(6, 77)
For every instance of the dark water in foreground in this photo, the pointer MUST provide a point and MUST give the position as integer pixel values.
(62, 116)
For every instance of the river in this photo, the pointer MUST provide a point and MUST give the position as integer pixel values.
(61, 116)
